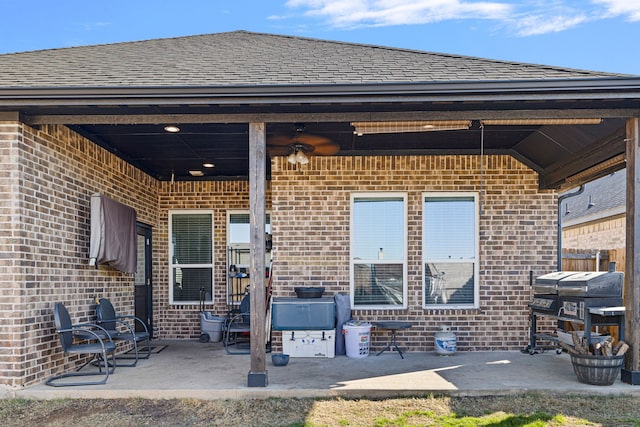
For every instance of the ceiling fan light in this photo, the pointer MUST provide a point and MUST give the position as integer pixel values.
(291, 158)
(302, 158)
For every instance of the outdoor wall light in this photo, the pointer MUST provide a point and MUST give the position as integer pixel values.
(363, 128)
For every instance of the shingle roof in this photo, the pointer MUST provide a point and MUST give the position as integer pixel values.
(242, 58)
(601, 198)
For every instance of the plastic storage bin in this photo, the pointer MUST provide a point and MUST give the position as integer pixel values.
(303, 314)
(210, 327)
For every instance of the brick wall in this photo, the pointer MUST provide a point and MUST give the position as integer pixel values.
(517, 235)
(181, 321)
(12, 276)
(311, 239)
(47, 177)
(609, 233)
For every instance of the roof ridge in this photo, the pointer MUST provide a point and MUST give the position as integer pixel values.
(341, 43)
(245, 58)
(442, 54)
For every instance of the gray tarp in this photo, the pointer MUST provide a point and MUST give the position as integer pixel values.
(343, 315)
(113, 234)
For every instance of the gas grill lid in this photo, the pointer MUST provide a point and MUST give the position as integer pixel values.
(592, 284)
(548, 283)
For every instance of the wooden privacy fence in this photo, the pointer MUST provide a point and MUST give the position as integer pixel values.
(592, 259)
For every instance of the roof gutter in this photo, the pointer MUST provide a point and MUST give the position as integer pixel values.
(619, 87)
(560, 200)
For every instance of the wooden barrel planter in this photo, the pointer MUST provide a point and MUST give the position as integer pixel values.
(596, 370)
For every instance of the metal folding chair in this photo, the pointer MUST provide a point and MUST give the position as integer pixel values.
(83, 339)
(120, 330)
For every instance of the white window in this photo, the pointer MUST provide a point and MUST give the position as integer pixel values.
(238, 227)
(450, 250)
(238, 253)
(191, 256)
(378, 250)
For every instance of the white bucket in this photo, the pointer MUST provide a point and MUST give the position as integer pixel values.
(445, 341)
(356, 338)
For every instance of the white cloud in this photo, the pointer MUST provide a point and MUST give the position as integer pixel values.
(628, 8)
(354, 13)
(520, 17)
(545, 16)
(533, 25)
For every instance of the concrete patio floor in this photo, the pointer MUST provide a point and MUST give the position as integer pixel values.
(189, 369)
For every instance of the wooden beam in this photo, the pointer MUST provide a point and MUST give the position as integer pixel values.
(315, 117)
(631, 371)
(610, 147)
(257, 219)
(601, 169)
(10, 116)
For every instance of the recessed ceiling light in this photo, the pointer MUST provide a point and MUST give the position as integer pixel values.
(196, 173)
(172, 129)
(208, 165)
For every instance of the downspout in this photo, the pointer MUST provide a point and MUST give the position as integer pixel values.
(560, 200)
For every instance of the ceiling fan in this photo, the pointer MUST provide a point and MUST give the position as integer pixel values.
(299, 145)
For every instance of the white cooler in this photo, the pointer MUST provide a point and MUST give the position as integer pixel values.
(309, 343)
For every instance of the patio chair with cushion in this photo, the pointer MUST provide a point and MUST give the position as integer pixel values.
(237, 327)
(82, 339)
(119, 329)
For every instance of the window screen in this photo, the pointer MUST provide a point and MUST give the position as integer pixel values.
(191, 256)
(378, 251)
(450, 250)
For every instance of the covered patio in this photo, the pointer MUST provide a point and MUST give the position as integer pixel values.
(94, 119)
(189, 369)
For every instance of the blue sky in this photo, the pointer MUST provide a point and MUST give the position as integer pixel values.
(600, 35)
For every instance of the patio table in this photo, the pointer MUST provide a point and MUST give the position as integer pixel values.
(393, 326)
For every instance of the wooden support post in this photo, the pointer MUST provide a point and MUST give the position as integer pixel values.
(257, 219)
(631, 371)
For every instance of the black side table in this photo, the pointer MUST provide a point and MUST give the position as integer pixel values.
(393, 326)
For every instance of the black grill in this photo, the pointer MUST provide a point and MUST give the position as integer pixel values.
(545, 292)
(559, 292)
(591, 284)
(573, 296)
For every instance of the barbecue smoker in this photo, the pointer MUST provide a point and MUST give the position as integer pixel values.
(590, 298)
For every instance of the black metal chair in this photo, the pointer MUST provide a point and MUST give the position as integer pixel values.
(82, 339)
(119, 329)
(237, 327)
